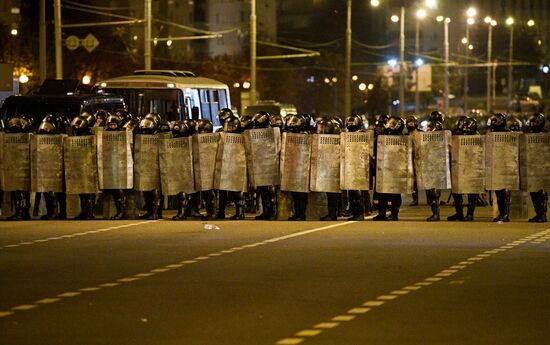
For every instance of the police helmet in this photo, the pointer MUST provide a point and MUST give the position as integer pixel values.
(232, 124)
(497, 122)
(324, 126)
(261, 119)
(536, 122)
(204, 126)
(513, 124)
(223, 114)
(191, 125)
(354, 123)
(147, 126)
(469, 126)
(113, 123)
(395, 125)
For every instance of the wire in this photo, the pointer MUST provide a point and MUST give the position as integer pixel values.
(200, 31)
(101, 8)
(369, 46)
(311, 44)
(107, 14)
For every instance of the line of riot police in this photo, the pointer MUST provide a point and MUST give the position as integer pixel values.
(275, 160)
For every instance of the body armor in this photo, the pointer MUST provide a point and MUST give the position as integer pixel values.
(47, 163)
(295, 162)
(146, 163)
(204, 157)
(16, 162)
(262, 153)
(394, 172)
(535, 162)
(432, 159)
(230, 172)
(325, 163)
(502, 161)
(176, 165)
(80, 159)
(468, 164)
(114, 160)
(355, 155)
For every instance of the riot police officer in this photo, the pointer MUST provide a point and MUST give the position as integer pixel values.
(394, 126)
(205, 126)
(411, 123)
(181, 130)
(223, 114)
(359, 200)
(467, 126)
(539, 198)
(297, 124)
(379, 128)
(267, 193)
(81, 126)
(21, 198)
(114, 123)
(497, 123)
(327, 126)
(433, 195)
(277, 121)
(149, 126)
(513, 124)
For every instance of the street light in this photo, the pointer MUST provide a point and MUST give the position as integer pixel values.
(490, 21)
(394, 18)
(418, 62)
(471, 12)
(392, 63)
(362, 86)
(354, 77)
(14, 32)
(464, 40)
(86, 79)
(439, 19)
(431, 4)
(510, 23)
(23, 78)
(374, 3)
(530, 22)
(420, 14)
(470, 21)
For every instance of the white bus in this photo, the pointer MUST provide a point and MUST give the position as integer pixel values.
(175, 95)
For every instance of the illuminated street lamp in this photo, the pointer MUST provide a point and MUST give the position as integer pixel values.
(464, 40)
(491, 22)
(418, 62)
(530, 22)
(362, 86)
(246, 85)
(439, 19)
(394, 18)
(431, 4)
(374, 3)
(421, 13)
(370, 86)
(471, 12)
(392, 63)
(510, 23)
(14, 32)
(23, 78)
(86, 79)
(354, 77)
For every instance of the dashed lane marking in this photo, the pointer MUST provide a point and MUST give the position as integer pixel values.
(351, 314)
(167, 268)
(49, 239)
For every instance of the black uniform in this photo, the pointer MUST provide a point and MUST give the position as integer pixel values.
(114, 123)
(81, 126)
(187, 203)
(433, 195)
(297, 124)
(497, 123)
(357, 198)
(464, 126)
(268, 194)
(205, 126)
(412, 126)
(148, 126)
(539, 198)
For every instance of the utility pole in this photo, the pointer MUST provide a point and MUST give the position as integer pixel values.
(510, 57)
(466, 86)
(58, 41)
(147, 34)
(446, 45)
(42, 41)
(253, 34)
(402, 64)
(347, 79)
(416, 72)
(489, 52)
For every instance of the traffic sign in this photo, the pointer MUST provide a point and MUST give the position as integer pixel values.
(72, 42)
(90, 43)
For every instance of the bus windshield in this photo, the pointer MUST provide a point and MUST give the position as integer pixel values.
(166, 102)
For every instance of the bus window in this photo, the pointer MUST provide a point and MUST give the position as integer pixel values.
(223, 99)
(205, 105)
(167, 103)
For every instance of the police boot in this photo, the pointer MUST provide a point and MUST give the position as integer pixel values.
(435, 213)
(459, 211)
(119, 205)
(209, 205)
(472, 202)
(543, 208)
(51, 206)
(18, 204)
(382, 205)
(415, 198)
(303, 207)
(62, 203)
(182, 207)
(266, 208)
(240, 206)
(332, 205)
(160, 206)
(358, 212)
(540, 203)
(26, 205)
(394, 213)
(367, 205)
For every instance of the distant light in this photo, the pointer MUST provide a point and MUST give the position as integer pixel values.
(471, 47)
(439, 19)
(539, 42)
(471, 12)
(395, 102)
(135, 37)
(487, 19)
(424, 123)
(374, 3)
(14, 32)
(421, 13)
(447, 20)
(362, 86)
(545, 69)
(103, 84)
(395, 18)
(334, 79)
(392, 62)
(530, 22)
(236, 85)
(370, 86)
(354, 77)
(419, 62)
(493, 22)
(70, 93)
(171, 85)
(169, 43)
(86, 79)
(246, 85)
(327, 80)
(470, 21)
(23, 78)
(431, 4)
(509, 21)
(155, 41)
(464, 40)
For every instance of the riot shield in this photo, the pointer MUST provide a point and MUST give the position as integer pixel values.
(432, 159)
(146, 163)
(80, 161)
(295, 162)
(262, 154)
(47, 163)
(205, 147)
(468, 164)
(176, 165)
(535, 162)
(16, 162)
(325, 163)
(1, 163)
(355, 155)
(230, 172)
(114, 160)
(502, 161)
(394, 172)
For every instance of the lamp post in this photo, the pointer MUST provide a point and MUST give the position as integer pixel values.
(491, 22)
(510, 23)
(347, 83)
(470, 13)
(252, 52)
(446, 45)
(420, 14)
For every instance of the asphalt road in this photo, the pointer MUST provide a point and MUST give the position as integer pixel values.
(252, 282)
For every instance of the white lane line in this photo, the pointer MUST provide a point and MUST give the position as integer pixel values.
(395, 294)
(169, 267)
(49, 239)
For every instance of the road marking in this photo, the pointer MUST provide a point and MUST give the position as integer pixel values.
(290, 341)
(405, 290)
(5, 313)
(48, 300)
(25, 307)
(55, 238)
(166, 268)
(308, 333)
